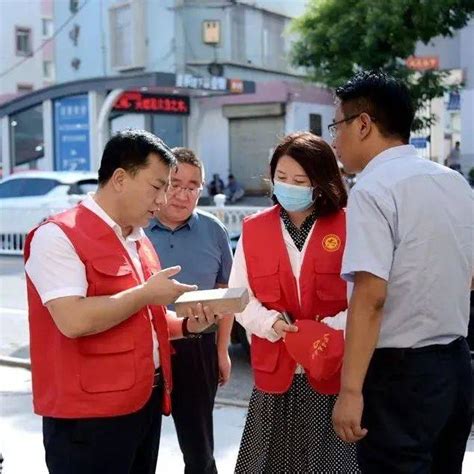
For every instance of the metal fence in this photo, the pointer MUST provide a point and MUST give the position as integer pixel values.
(12, 244)
(231, 217)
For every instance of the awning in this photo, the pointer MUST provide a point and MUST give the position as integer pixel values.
(158, 82)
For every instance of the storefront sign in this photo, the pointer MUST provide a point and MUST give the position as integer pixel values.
(236, 86)
(419, 142)
(213, 83)
(143, 103)
(422, 63)
(71, 133)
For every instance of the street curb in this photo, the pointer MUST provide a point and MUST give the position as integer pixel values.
(15, 362)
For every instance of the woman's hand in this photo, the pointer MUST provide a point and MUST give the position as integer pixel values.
(281, 328)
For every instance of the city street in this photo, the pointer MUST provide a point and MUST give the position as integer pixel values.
(20, 432)
(267, 115)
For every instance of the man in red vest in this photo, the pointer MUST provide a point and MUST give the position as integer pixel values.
(99, 330)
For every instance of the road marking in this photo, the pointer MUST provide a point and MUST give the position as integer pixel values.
(12, 310)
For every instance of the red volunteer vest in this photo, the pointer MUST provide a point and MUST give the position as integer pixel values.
(106, 374)
(271, 279)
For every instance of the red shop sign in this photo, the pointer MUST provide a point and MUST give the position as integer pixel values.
(145, 103)
(422, 63)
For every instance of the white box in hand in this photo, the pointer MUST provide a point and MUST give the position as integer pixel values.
(220, 301)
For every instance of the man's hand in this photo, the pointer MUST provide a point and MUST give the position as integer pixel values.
(161, 290)
(225, 366)
(347, 416)
(281, 328)
(200, 318)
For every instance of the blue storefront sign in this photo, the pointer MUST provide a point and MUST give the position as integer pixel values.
(71, 133)
(419, 142)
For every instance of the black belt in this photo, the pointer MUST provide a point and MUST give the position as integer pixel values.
(401, 352)
(156, 377)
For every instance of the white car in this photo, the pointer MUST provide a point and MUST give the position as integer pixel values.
(29, 197)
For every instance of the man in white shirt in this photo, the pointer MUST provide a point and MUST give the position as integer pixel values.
(98, 327)
(406, 380)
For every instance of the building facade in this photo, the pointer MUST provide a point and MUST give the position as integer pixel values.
(26, 64)
(214, 52)
(25, 27)
(455, 111)
(214, 75)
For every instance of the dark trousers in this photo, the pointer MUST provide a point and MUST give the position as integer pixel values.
(117, 445)
(195, 379)
(417, 409)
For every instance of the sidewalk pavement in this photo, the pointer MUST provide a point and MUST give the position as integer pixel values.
(21, 440)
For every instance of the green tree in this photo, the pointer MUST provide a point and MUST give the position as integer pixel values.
(336, 38)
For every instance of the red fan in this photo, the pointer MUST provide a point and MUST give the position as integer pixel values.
(319, 349)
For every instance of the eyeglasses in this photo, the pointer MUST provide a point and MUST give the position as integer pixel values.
(332, 127)
(175, 189)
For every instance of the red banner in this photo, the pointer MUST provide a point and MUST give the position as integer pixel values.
(138, 102)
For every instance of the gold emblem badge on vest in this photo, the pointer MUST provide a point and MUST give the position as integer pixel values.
(331, 243)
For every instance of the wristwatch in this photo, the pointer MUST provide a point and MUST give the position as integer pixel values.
(185, 331)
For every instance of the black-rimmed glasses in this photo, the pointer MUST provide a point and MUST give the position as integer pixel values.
(332, 127)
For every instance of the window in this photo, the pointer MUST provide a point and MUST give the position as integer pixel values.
(47, 28)
(238, 35)
(121, 24)
(273, 45)
(48, 70)
(315, 124)
(127, 38)
(23, 187)
(27, 140)
(73, 6)
(170, 128)
(23, 41)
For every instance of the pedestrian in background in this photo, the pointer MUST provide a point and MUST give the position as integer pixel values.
(406, 389)
(197, 242)
(453, 160)
(234, 190)
(216, 185)
(99, 331)
(289, 258)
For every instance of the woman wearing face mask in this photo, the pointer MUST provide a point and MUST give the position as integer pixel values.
(289, 258)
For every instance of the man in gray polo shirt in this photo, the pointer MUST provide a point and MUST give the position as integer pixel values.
(406, 379)
(198, 242)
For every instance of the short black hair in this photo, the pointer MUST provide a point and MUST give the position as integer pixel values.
(383, 98)
(129, 150)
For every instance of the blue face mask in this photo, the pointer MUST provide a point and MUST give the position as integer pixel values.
(293, 198)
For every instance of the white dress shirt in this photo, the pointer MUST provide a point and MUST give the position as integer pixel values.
(56, 270)
(411, 222)
(257, 319)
